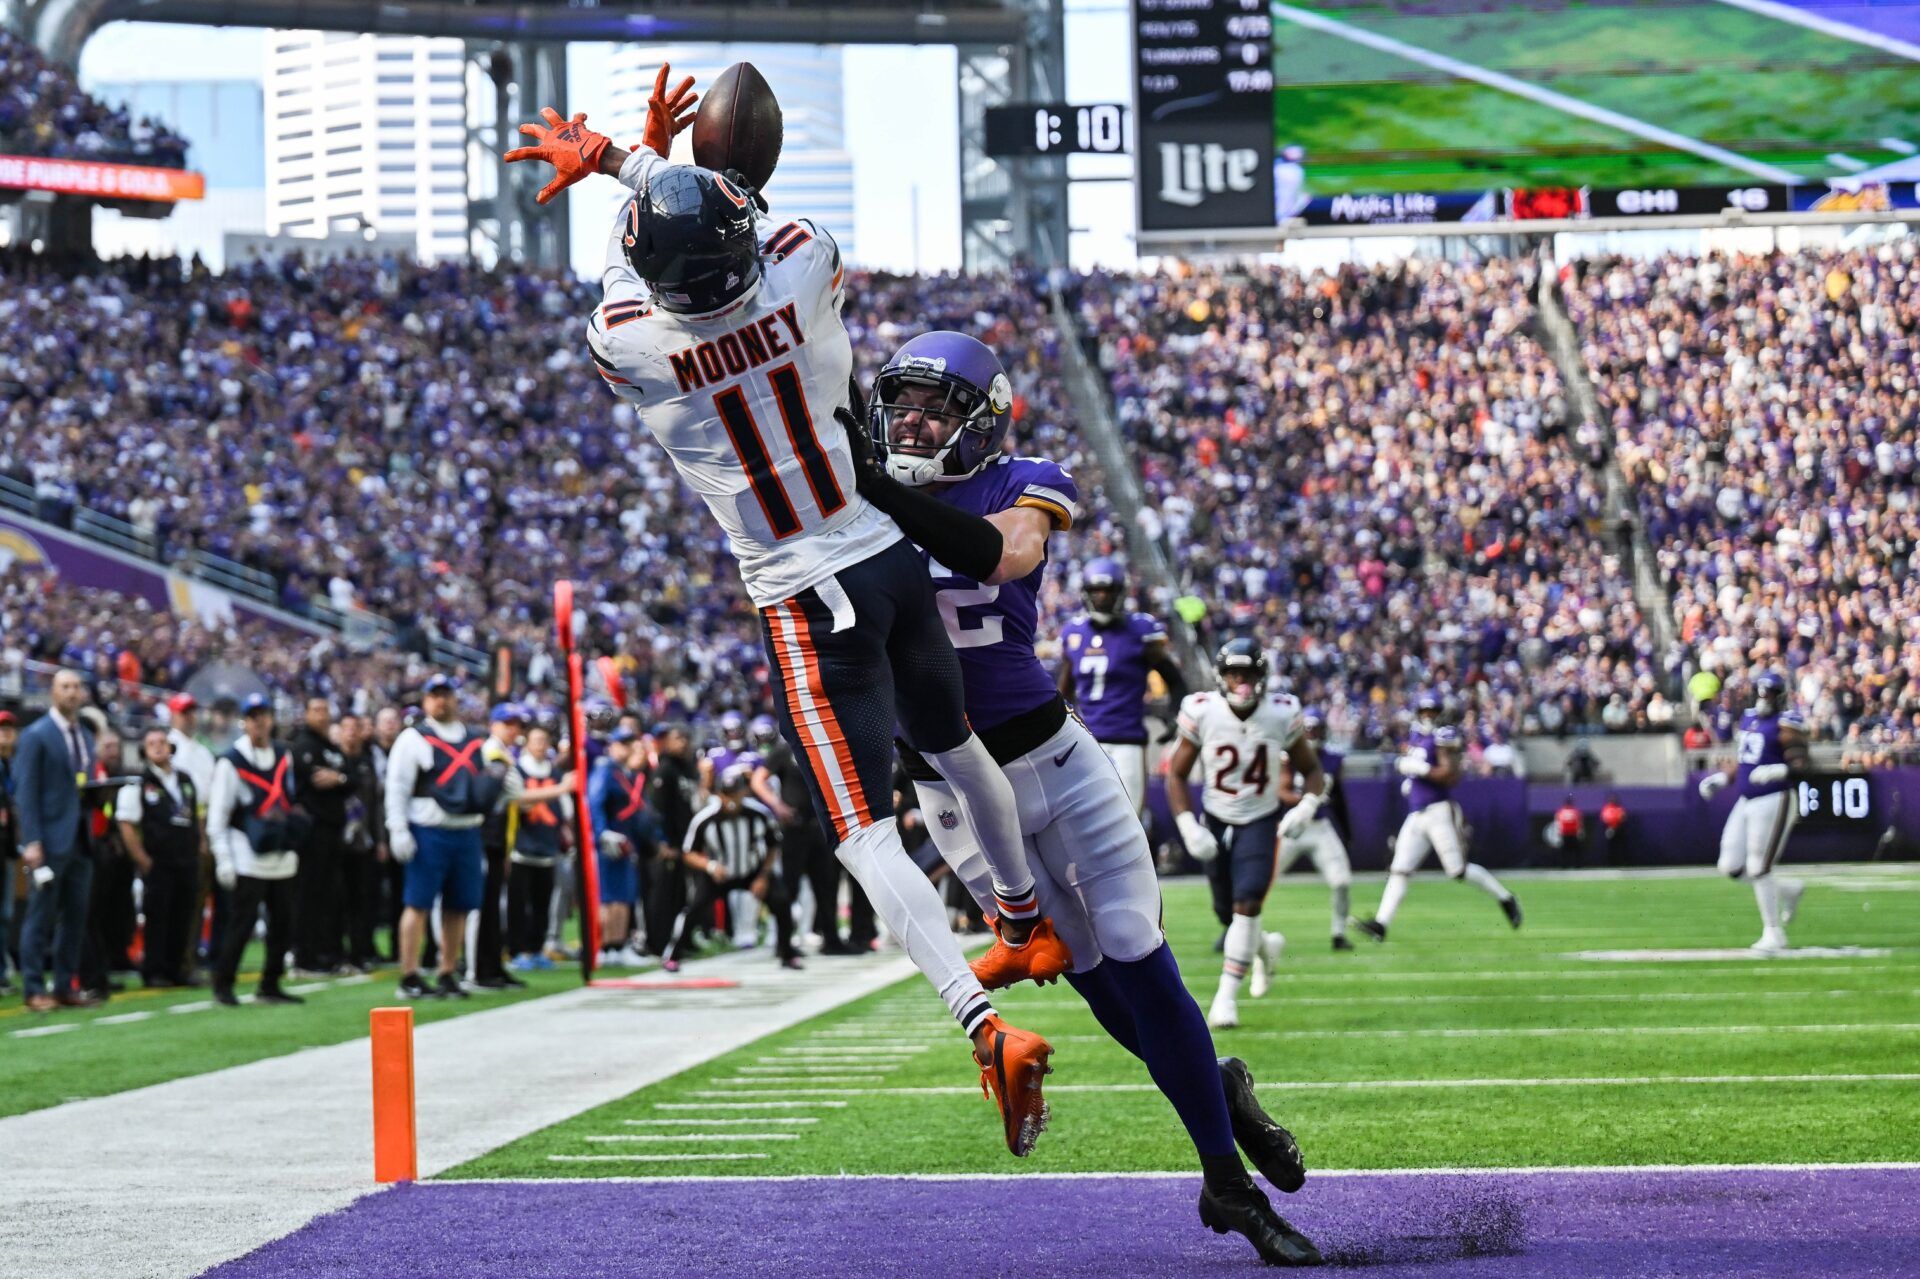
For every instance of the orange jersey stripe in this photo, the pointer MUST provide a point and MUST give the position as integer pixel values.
(862, 810)
(780, 627)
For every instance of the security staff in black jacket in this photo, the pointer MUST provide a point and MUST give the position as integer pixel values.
(673, 796)
(160, 827)
(320, 779)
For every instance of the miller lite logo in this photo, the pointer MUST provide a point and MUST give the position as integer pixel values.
(949, 820)
(1192, 171)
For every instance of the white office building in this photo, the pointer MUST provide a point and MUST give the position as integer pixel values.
(815, 175)
(367, 134)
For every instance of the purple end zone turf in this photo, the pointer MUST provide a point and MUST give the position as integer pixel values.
(1837, 1224)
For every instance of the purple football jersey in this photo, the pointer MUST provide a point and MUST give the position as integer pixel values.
(1109, 666)
(1422, 791)
(992, 626)
(1760, 744)
(725, 757)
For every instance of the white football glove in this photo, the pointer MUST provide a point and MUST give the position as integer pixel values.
(226, 876)
(1201, 845)
(612, 844)
(1413, 766)
(1300, 814)
(1768, 774)
(402, 845)
(1710, 784)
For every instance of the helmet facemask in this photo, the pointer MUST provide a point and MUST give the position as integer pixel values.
(931, 427)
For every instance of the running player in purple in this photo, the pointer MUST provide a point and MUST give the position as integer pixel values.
(1773, 747)
(1431, 767)
(940, 416)
(1106, 655)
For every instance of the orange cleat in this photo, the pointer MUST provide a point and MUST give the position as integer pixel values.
(1011, 1075)
(1042, 958)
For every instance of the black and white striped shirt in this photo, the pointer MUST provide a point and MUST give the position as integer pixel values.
(741, 841)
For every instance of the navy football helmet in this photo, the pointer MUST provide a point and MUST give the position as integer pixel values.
(970, 395)
(1237, 660)
(1105, 584)
(690, 236)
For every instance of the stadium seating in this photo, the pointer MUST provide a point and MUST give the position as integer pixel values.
(44, 111)
(1766, 409)
(1376, 463)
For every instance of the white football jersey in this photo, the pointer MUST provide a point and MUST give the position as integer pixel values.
(1241, 758)
(743, 401)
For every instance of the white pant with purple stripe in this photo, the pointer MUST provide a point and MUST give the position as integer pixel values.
(1756, 833)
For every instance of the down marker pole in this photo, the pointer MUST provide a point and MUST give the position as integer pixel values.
(396, 1150)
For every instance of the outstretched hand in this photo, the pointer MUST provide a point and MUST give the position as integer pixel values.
(668, 114)
(568, 145)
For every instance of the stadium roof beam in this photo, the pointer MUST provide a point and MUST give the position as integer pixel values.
(62, 26)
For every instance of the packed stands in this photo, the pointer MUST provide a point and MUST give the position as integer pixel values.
(45, 112)
(1767, 410)
(1378, 465)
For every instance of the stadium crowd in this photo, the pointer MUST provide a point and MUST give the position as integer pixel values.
(1766, 409)
(1381, 465)
(45, 112)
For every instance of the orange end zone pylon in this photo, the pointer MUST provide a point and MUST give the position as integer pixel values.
(583, 818)
(396, 1149)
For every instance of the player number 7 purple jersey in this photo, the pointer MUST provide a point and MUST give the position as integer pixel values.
(1110, 665)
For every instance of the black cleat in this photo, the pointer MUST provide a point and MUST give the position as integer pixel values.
(1510, 907)
(1341, 943)
(1272, 1148)
(1243, 1208)
(1372, 928)
(275, 995)
(414, 986)
(449, 987)
(224, 995)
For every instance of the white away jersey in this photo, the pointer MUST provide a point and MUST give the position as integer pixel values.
(1241, 757)
(743, 401)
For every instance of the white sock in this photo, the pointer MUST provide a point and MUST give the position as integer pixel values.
(1243, 939)
(909, 905)
(988, 807)
(1767, 893)
(959, 846)
(1482, 878)
(1390, 900)
(1342, 906)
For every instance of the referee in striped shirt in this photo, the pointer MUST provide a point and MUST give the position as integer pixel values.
(733, 847)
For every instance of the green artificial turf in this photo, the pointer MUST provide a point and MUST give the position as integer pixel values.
(184, 1033)
(1765, 89)
(1452, 965)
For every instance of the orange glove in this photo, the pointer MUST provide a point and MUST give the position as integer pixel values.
(667, 114)
(568, 145)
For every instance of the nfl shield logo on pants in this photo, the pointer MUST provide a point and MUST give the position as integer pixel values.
(948, 819)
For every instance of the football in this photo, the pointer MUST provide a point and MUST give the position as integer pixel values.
(738, 125)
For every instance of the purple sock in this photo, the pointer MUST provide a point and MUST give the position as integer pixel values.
(1173, 1039)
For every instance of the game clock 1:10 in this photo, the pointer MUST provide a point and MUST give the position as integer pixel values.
(1056, 129)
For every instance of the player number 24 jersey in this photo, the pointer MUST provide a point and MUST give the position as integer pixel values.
(1242, 758)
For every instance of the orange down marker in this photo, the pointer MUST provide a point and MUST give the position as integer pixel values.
(396, 1154)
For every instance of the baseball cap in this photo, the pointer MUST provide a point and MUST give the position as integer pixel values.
(254, 704)
(622, 734)
(7, 719)
(508, 713)
(439, 683)
(180, 702)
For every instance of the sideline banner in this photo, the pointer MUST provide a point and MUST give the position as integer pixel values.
(98, 178)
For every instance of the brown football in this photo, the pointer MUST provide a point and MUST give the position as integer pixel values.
(738, 125)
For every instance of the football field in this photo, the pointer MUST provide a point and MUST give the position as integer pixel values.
(1617, 1089)
(1388, 96)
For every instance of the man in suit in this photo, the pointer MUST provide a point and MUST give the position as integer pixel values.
(52, 759)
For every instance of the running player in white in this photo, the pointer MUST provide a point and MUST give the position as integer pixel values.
(1431, 767)
(1773, 747)
(723, 330)
(1307, 830)
(1240, 736)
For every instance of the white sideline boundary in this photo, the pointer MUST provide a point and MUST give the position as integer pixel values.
(1532, 92)
(1371, 1085)
(1827, 26)
(167, 1181)
(1598, 1170)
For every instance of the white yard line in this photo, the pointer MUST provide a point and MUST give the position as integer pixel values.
(1185, 1174)
(35, 1032)
(232, 1193)
(882, 1050)
(1532, 92)
(693, 1136)
(715, 1121)
(1228, 1037)
(1827, 26)
(704, 1156)
(748, 1105)
(122, 1019)
(192, 1006)
(1366, 1085)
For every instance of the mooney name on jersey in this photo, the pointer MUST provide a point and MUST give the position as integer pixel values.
(743, 401)
(1241, 757)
